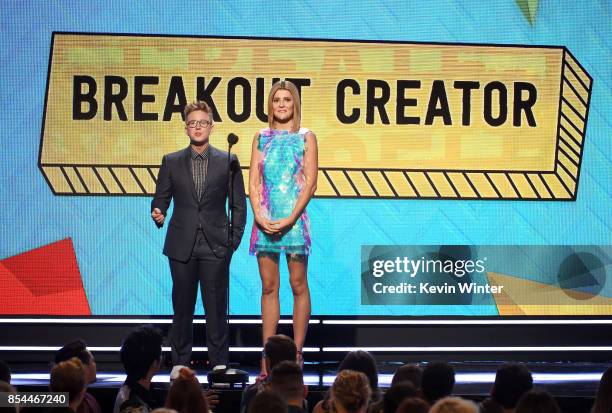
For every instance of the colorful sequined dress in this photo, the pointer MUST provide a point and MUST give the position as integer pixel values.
(281, 171)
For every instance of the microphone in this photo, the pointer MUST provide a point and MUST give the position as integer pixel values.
(232, 139)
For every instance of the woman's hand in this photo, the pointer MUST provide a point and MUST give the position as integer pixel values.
(283, 225)
(265, 225)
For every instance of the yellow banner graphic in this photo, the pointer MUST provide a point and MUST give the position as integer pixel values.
(393, 120)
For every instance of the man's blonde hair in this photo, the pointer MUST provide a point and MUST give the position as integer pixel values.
(197, 105)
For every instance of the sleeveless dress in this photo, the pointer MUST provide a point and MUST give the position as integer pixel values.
(281, 174)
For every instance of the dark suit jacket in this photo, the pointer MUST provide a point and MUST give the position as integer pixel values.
(175, 181)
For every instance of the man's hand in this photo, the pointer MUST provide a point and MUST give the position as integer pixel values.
(158, 217)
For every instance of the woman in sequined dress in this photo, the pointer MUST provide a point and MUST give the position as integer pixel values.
(282, 180)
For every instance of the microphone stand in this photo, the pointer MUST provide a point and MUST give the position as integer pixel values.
(228, 377)
(231, 140)
(230, 201)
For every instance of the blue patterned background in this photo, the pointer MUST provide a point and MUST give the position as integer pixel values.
(116, 243)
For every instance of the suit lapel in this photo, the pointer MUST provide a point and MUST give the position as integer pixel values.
(187, 168)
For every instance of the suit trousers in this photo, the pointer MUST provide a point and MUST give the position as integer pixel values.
(211, 272)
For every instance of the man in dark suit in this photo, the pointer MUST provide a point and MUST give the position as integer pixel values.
(196, 242)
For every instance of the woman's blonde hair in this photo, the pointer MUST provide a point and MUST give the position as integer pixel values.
(454, 405)
(297, 106)
(352, 390)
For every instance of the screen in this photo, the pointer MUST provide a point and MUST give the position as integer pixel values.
(463, 150)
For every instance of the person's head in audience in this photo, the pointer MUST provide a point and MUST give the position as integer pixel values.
(454, 405)
(350, 392)
(511, 382)
(603, 399)
(287, 380)
(5, 372)
(69, 377)
(141, 355)
(413, 405)
(134, 409)
(438, 381)
(163, 410)
(279, 348)
(489, 405)
(5, 387)
(363, 362)
(537, 401)
(78, 349)
(409, 372)
(268, 401)
(185, 394)
(396, 394)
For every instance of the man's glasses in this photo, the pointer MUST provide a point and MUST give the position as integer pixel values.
(203, 123)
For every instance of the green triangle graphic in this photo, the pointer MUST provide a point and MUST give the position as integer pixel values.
(529, 8)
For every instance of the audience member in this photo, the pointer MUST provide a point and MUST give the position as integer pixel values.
(397, 393)
(360, 361)
(413, 405)
(410, 372)
(603, 399)
(363, 362)
(537, 401)
(211, 395)
(277, 348)
(454, 405)
(438, 381)
(185, 394)
(5, 387)
(350, 392)
(5, 372)
(134, 409)
(511, 382)
(267, 401)
(78, 349)
(69, 377)
(287, 380)
(141, 357)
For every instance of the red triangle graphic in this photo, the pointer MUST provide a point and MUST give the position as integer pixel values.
(44, 281)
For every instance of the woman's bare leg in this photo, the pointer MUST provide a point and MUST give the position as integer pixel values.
(270, 307)
(298, 267)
